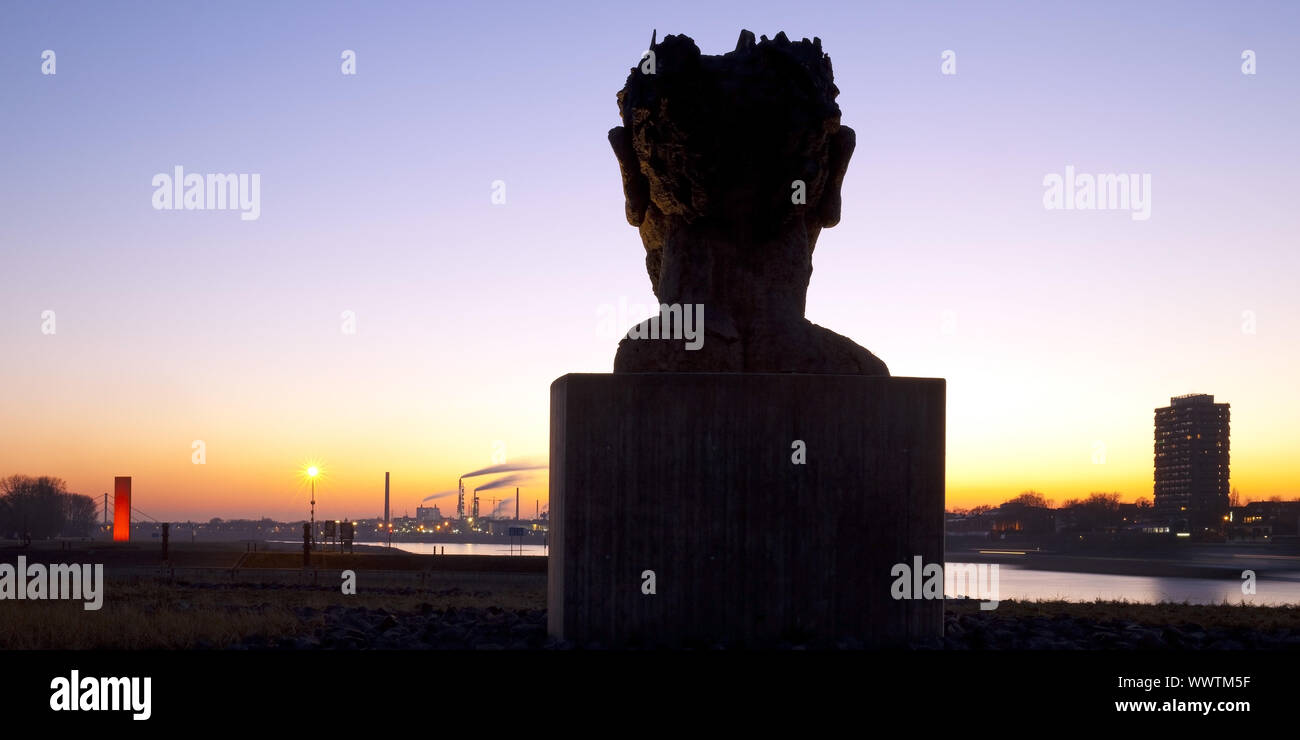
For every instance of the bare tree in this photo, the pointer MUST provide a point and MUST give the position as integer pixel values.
(1098, 511)
(33, 507)
(1032, 498)
(79, 515)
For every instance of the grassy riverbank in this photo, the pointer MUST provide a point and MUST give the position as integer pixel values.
(465, 612)
(180, 616)
(257, 595)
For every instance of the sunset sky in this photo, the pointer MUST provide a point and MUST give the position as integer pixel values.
(1056, 330)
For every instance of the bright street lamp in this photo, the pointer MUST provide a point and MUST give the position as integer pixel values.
(312, 472)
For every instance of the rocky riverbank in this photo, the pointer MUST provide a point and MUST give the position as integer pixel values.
(475, 612)
(494, 628)
(990, 631)
(468, 628)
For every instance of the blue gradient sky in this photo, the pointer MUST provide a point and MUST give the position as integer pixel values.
(1070, 327)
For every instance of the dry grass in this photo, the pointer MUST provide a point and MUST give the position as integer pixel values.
(160, 616)
(396, 561)
(155, 615)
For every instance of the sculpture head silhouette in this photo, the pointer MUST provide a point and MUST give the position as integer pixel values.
(732, 165)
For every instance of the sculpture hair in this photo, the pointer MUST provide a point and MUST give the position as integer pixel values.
(728, 135)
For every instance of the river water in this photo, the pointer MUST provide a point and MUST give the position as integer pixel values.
(1019, 583)
(463, 548)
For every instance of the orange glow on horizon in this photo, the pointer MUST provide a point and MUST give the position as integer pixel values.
(993, 453)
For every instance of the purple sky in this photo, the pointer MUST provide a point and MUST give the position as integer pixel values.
(1056, 330)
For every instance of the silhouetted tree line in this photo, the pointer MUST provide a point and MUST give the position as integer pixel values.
(1031, 499)
(1032, 512)
(40, 508)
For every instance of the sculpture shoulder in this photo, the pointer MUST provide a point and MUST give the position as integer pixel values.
(810, 349)
(710, 352)
(844, 354)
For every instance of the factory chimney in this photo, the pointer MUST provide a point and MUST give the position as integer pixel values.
(386, 527)
(516, 504)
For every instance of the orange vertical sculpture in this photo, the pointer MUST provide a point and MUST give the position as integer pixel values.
(122, 508)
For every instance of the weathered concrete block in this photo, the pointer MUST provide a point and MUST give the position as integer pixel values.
(691, 475)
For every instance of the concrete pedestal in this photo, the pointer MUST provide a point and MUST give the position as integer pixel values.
(690, 475)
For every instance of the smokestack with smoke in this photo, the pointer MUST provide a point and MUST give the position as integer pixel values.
(501, 508)
(502, 482)
(507, 468)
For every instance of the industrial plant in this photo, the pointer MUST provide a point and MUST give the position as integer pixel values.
(489, 516)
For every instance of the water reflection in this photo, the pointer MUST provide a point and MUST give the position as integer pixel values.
(463, 548)
(1015, 582)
